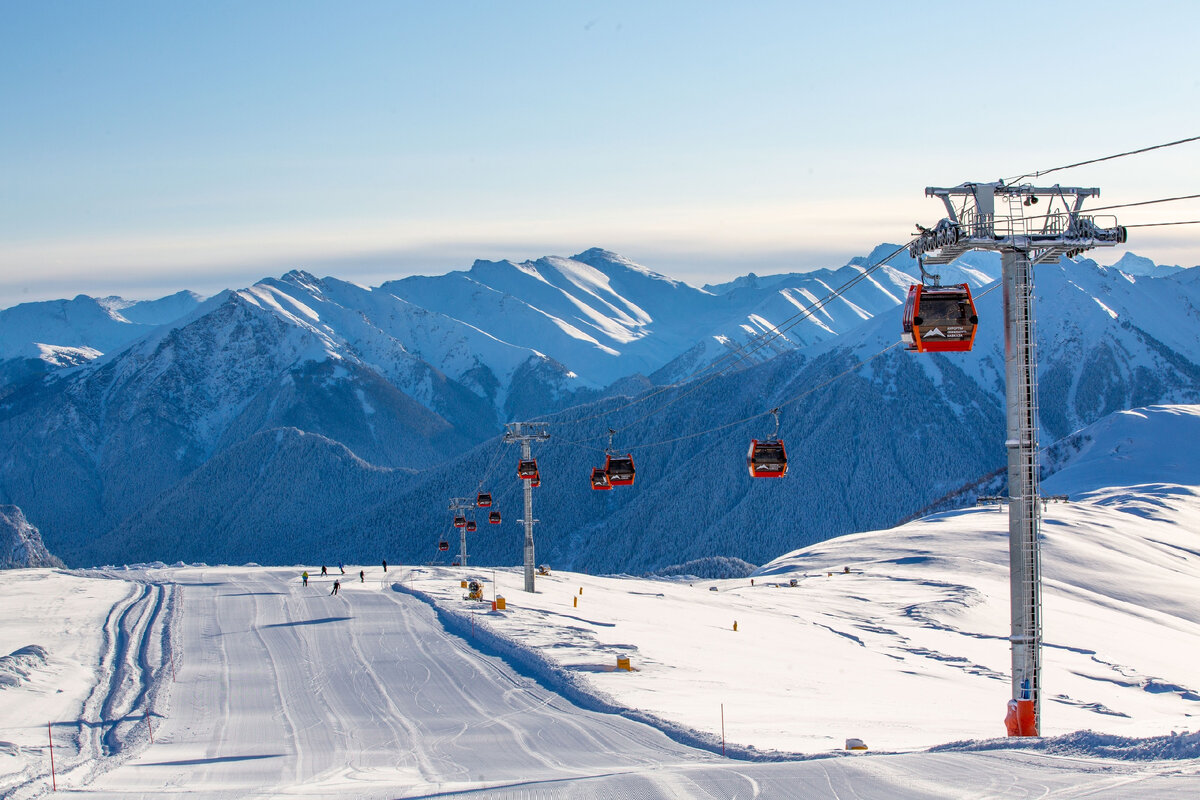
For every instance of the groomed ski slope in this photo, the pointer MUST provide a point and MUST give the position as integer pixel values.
(283, 691)
(256, 686)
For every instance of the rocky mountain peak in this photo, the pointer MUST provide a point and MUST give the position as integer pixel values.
(21, 543)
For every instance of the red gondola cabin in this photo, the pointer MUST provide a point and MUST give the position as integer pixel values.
(528, 470)
(460, 522)
(471, 525)
(443, 546)
(767, 459)
(600, 480)
(483, 500)
(939, 319)
(494, 517)
(619, 470)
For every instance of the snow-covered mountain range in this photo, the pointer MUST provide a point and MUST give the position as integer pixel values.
(271, 422)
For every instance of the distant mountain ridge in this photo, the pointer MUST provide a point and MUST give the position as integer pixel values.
(362, 410)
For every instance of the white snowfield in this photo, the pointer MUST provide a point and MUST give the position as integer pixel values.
(253, 685)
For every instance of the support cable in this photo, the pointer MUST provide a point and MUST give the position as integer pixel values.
(779, 330)
(1142, 203)
(1098, 160)
(860, 277)
(581, 444)
(760, 341)
(1161, 224)
(779, 405)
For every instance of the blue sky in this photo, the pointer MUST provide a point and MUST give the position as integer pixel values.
(149, 147)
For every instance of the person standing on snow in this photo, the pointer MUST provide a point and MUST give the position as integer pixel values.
(342, 567)
(362, 576)
(305, 577)
(324, 571)
(385, 565)
(336, 585)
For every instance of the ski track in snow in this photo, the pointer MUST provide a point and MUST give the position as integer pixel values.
(286, 692)
(129, 691)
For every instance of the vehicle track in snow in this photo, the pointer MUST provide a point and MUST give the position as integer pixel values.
(136, 644)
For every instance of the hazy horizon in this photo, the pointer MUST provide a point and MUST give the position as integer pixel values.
(152, 148)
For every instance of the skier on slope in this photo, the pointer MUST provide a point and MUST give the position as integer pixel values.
(385, 565)
(342, 567)
(324, 571)
(336, 586)
(362, 576)
(305, 577)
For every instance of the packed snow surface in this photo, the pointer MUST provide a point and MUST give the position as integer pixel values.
(238, 682)
(907, 649)
(275, 689)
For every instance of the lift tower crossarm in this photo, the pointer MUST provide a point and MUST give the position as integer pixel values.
(1022, 241)
(975, 223)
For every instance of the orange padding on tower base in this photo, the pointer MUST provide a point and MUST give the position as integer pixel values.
(1021, 719)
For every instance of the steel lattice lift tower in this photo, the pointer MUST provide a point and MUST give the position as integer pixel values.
(514, 435)
(1023, 242)
(459, 505)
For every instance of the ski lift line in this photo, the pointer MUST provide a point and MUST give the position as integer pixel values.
(1144, 203)
(1161, 224)
(783, 403)
(496, 458)
(561, 441)
(1088, 211)
(1105, 158)
(581, 444)
(786, 402)
(763, 338)
(780, 329)
(1119, 205)
(803, 314)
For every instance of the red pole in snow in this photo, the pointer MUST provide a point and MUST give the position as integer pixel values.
(722, 729)
(53, 780)
(149, 726)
